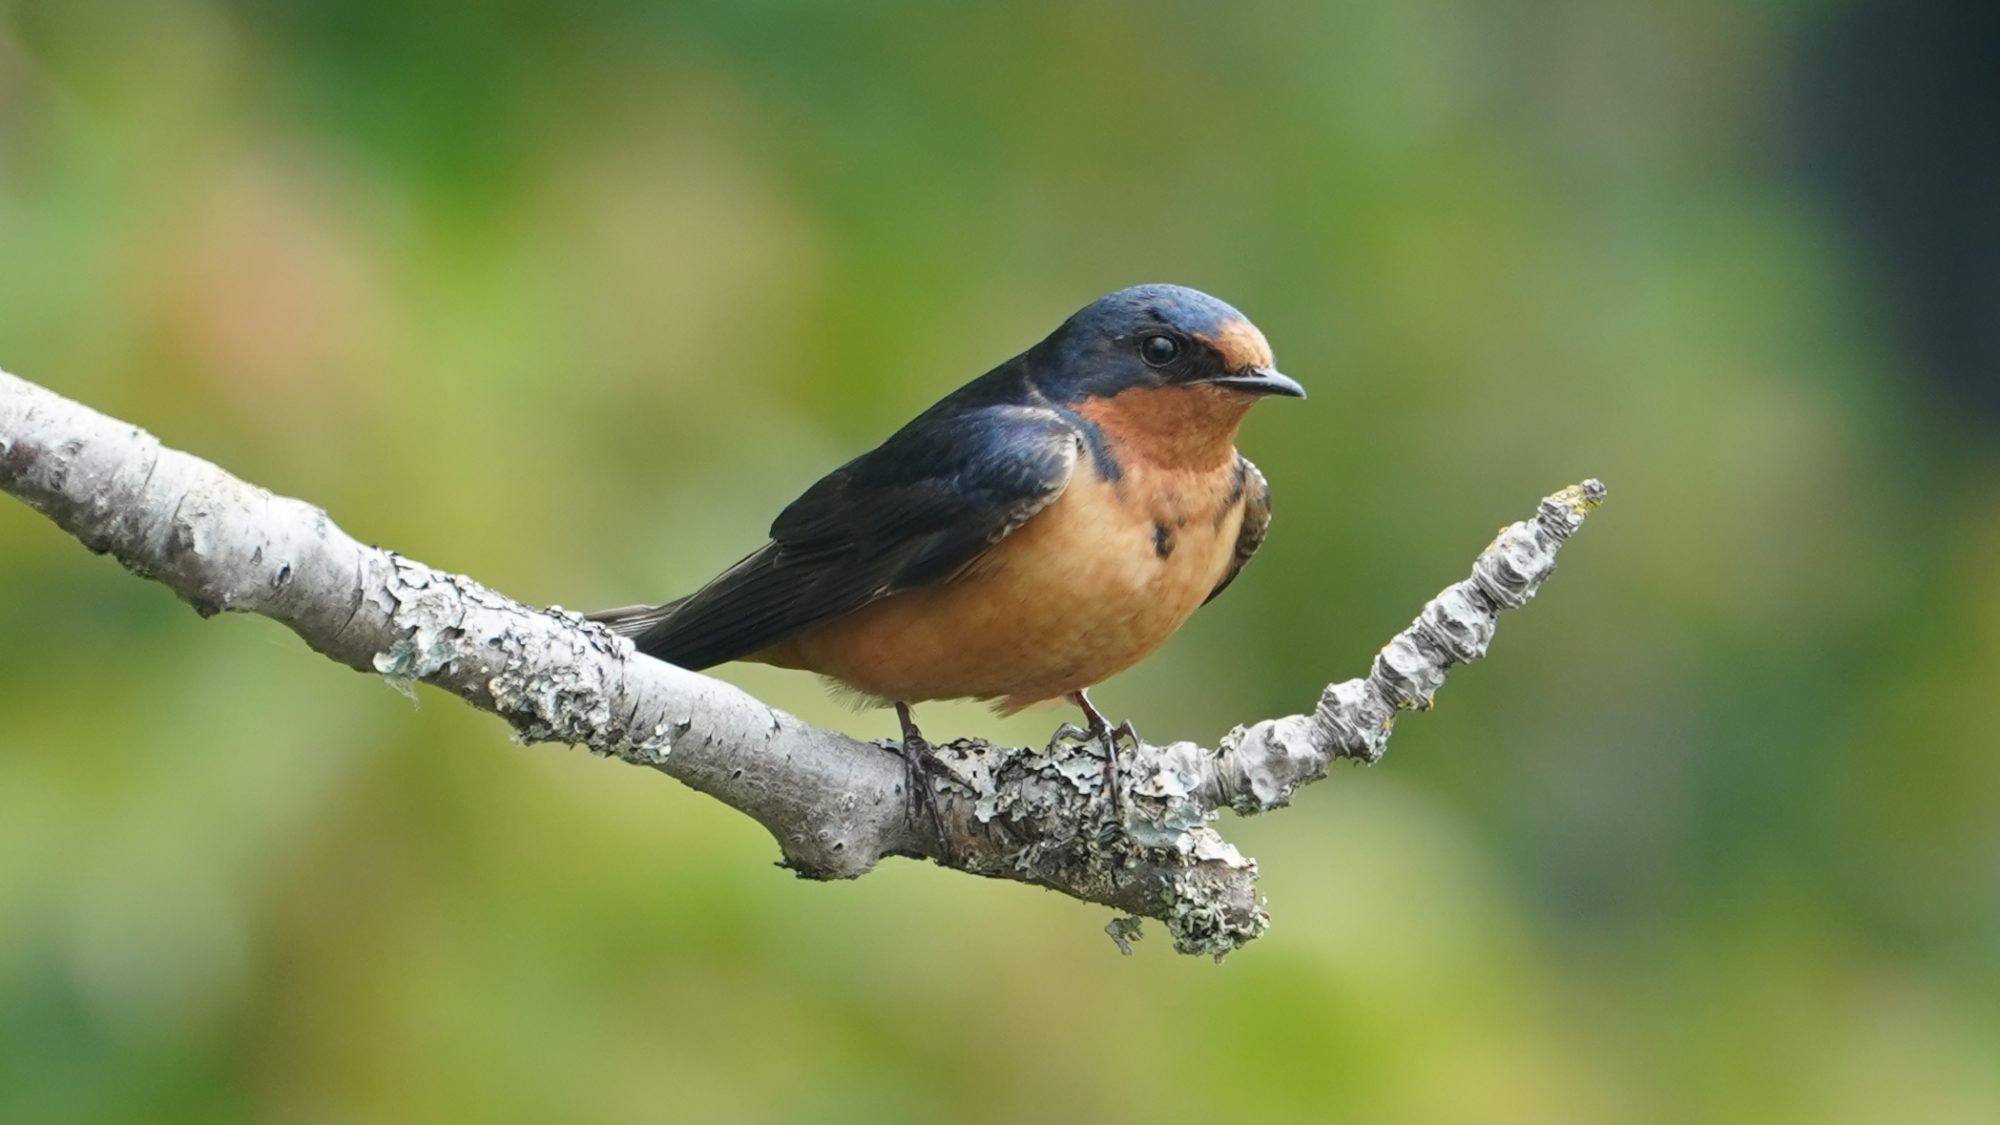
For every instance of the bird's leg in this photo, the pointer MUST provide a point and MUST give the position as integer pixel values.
(917, 761)
(1103, 732)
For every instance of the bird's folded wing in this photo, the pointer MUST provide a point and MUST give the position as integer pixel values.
(912, 512)
(1256, 521)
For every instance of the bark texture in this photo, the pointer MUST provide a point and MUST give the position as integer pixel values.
(835, 805)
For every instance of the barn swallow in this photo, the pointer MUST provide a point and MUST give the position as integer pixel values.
(1040, 529)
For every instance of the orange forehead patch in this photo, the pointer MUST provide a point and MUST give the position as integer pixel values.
(1240, 345)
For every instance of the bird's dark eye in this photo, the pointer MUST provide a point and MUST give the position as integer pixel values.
(1158, 351)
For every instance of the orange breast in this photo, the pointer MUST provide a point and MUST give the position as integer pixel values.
(1085, 589)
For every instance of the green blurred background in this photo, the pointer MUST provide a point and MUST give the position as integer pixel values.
(574, 296)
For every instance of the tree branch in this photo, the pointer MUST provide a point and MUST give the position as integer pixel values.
(834, 804)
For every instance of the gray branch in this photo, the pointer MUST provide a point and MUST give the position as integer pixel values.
(836, 805)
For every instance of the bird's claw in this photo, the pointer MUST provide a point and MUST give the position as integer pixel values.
(1124, 729)
(1106, 736)
(920, 799)
(1068, 732)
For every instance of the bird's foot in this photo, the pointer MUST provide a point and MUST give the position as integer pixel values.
(919, 763)
(1102, 732)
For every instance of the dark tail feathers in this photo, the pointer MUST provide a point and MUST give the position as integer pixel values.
(634, 620)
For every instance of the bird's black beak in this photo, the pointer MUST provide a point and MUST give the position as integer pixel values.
(1261, 381)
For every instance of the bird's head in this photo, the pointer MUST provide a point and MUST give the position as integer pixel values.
(1159, 337)
(1164, 372)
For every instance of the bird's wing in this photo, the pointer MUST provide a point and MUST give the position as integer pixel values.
(912, 512)
(1256, 522)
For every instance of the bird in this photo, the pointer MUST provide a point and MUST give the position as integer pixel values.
(1038, 530)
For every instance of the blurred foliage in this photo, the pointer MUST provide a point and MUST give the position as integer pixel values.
(574, 296)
